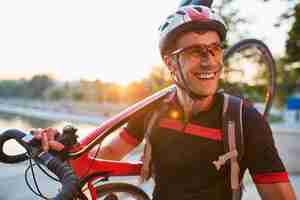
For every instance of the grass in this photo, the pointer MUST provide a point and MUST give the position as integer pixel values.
(275, 118)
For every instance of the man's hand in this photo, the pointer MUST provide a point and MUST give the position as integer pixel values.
(47, 137)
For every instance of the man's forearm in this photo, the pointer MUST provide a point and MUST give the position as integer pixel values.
(276, 191)
(107, 153)
(116, 149)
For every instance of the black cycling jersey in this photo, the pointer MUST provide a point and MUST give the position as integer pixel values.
(183, 152)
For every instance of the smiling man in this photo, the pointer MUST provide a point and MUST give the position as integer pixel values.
(185, 148)
(187, 139)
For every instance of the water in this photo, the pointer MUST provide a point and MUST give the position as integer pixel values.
(12, 184)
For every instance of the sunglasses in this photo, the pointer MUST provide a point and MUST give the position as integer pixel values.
(199, 51)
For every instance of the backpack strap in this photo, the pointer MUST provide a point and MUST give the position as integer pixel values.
(233, 139)
(146, 170)
(233, 120)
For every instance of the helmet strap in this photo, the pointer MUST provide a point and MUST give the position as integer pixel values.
(181, 82)
(184, 86)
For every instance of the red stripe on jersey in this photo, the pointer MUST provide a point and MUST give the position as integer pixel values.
(273, 177)
(210, 133)
(128, 138)
(171, 124)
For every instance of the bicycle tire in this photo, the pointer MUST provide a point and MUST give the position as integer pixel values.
(132, 190)
(268, 58)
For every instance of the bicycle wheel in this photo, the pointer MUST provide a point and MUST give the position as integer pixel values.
(250, 72)
(118, 191)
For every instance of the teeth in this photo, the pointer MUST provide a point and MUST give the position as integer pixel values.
(205, 75)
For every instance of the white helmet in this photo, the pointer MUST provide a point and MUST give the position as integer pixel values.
(189, 18)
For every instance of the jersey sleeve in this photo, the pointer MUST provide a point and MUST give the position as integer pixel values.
(261, 156)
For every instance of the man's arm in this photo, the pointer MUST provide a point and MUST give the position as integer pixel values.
(127, 139)
(262, 159)
(276, 191)
(116, 149)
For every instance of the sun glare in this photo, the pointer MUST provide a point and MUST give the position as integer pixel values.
(250, 71)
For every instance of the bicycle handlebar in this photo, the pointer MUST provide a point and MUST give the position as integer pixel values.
(61, 169)
(5, 136)
(64, 172)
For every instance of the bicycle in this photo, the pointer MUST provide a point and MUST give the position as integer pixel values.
(79, 173)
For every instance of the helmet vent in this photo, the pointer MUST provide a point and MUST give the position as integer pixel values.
(199, 9)
(164, 26)
(170, 17)
(180, 12)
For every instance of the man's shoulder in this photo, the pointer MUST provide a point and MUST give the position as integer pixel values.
(147, 111)
(250, 112)
(254, 123)
(251, 117)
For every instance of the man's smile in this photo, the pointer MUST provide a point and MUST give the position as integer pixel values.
(205, 75)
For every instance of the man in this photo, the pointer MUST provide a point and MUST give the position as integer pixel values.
(187, 139)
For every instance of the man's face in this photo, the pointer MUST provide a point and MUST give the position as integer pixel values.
(200, 60)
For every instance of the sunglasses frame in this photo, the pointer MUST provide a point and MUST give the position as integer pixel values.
(177, 52)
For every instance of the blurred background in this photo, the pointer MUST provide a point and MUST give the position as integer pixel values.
(84, 61)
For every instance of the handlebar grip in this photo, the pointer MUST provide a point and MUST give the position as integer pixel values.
(5, 136)
(64, 172)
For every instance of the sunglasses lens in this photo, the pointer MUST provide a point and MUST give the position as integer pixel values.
(198, 52)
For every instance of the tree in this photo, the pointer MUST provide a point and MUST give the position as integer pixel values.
(112, 93)
(9, 88)
(293, 42)
(55, 93)
(136, 91)
(99, 87)
(230, 14)
(157, 79)
(39, 84)
(289, 65)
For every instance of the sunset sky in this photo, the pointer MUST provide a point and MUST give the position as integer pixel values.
(108, 40)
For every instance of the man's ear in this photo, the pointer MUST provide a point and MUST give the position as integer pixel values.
(171, 63)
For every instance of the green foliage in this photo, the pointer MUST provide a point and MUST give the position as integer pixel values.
(55, 93)
(135, 91)
(77, 96)
(39, 84)
(231, 15)
(112, 93)
(288, 66)
(158, 79)
(33, 88)
(275, 118)
(293, 42)
(9, 88)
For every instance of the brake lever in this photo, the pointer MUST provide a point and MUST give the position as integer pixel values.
(68, 138)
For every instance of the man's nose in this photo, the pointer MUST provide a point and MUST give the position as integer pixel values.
(205, 61)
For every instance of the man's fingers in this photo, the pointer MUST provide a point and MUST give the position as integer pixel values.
(37, 136)
(56, 145)
(45, 143)
(52, 132)
(37, 133)
(47, 137)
